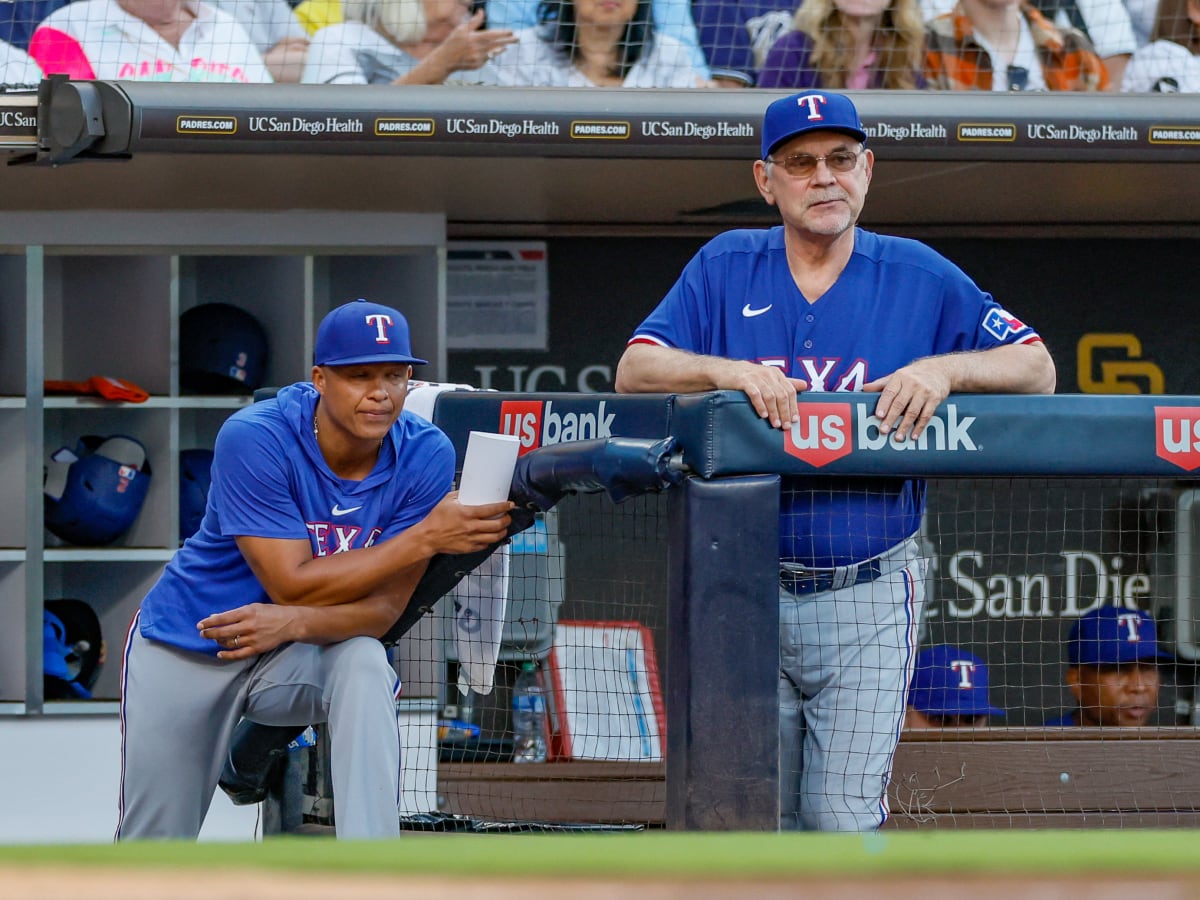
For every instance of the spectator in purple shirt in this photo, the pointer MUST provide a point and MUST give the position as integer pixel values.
(849, 44)
(736, 35)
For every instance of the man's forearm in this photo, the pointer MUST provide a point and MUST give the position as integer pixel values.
(292, 576)
(369, 617)
(648, 368)
(340, 577)
(1010, 369)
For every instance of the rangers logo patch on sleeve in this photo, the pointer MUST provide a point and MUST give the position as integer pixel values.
(1000, 323)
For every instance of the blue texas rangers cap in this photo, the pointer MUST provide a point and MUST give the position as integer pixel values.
(1111, 635)
(809, 111)
(950, 682)
(361, 332)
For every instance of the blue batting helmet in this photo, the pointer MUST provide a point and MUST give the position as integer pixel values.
(99, 493)
(222, 350)
(195, 475)
(72, 649)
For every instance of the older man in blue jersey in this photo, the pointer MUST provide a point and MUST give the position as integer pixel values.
(326, 505)
(819, 304)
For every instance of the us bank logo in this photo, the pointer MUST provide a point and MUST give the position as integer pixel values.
(536, 423)
(828, 431)
(1178, 435)
(822, 435)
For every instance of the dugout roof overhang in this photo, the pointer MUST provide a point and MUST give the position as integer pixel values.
(528, 159)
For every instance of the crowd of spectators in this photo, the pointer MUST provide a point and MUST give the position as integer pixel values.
(992, 45)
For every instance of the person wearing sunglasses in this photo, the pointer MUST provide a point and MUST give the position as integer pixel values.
(818, 304)
(949, 690)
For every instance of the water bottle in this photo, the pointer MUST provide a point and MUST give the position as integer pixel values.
(529, 716)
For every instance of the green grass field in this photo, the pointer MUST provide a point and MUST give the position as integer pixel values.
(690, 855)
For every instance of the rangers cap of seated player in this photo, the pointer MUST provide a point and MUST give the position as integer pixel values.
(1112, 635)
(809, 111)
(950, 682)
(361, 332)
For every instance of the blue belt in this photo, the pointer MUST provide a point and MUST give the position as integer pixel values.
(814, 581)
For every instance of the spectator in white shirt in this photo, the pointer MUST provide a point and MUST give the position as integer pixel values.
(597, 43)
(1169, 64)
(405, 42)
(147, 40)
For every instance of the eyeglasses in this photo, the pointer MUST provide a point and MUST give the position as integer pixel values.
(804, 165)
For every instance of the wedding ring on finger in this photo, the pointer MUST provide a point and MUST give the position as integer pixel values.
(235, 640)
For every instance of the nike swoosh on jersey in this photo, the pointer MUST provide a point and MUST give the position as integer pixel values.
(338, 511)
(751, 313)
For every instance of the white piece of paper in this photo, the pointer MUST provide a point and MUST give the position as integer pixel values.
(488, 468)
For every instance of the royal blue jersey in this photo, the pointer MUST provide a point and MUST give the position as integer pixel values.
(270, 480)
(896, 301)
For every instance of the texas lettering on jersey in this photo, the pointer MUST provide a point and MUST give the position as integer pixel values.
(824, 373)
(329, 538)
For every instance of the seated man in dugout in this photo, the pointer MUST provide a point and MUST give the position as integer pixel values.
(1113, 668)
(949, 690)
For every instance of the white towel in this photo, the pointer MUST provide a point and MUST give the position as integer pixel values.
(480, 605)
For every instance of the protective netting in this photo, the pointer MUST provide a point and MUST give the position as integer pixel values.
(1127, 45)
(1008, 567)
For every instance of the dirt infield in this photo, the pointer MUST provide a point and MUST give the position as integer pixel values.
(108, 883)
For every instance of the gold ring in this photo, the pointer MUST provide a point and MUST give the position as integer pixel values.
(235, 639)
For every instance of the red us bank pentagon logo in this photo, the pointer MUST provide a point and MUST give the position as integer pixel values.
(1178, 435)
(522, 418)
(822, 435)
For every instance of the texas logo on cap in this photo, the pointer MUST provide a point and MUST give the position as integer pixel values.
(1112, 635)
(809, 111)
(361, 332)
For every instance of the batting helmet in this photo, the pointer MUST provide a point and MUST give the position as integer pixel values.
(72, 649)
(222, 350)
(195, 475)
(93, 495)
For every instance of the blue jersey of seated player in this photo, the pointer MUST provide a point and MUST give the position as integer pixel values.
(896, 301)
(270, 480)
